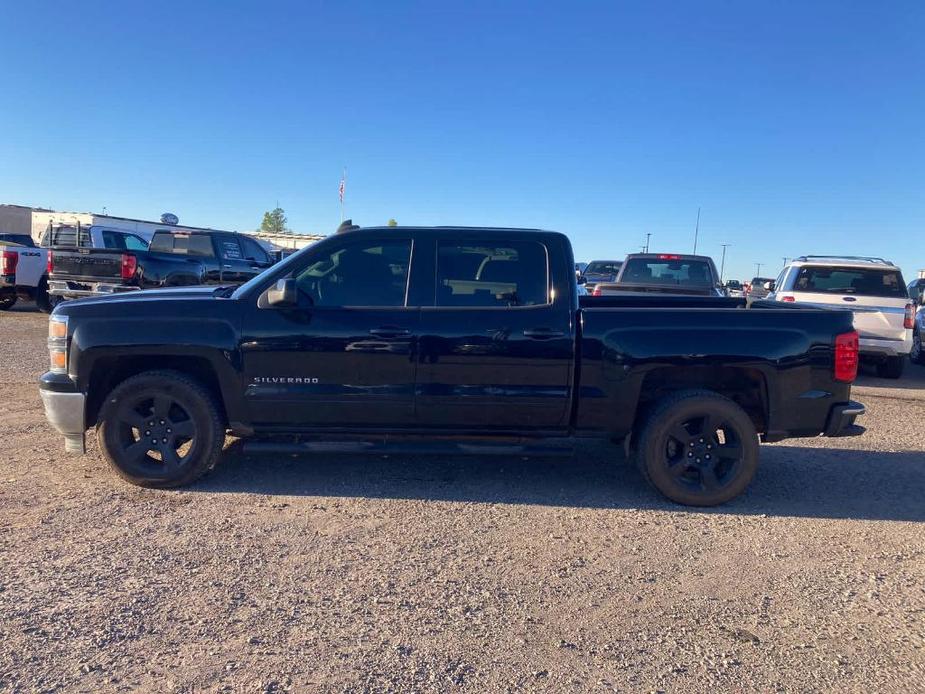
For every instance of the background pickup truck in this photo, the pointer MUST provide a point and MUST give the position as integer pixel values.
(664, 273)
(447, 340)
(173, 259)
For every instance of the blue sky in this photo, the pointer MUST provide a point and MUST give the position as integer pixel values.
(798, 127)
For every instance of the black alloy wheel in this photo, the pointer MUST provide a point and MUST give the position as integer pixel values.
(160, 429)
(698, 448)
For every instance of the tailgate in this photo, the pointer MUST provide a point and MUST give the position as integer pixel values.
(876, 317)
(86, 264)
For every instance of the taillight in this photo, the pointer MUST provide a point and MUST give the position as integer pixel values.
(909, 318)
(846, 357)
(129, 265)
(668, 256)
(8, 262)
(787, 298)
(50, 263)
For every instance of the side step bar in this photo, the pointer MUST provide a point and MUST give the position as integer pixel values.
(407, 448)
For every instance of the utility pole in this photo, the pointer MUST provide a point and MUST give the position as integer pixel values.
(722, 264)
(757, 269)
(785, 260)
(696, 231)
(647, 243)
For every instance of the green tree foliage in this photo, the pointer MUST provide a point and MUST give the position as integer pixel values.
(274, 221)
(392, 223)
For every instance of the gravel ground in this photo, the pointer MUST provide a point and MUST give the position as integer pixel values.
(352, 574)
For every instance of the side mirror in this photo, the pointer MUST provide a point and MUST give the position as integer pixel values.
(581, 279)
(283, 294)
(921, 299)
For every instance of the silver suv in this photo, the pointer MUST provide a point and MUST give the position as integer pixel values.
(872, 288)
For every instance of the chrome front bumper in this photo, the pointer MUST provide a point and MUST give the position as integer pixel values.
(65, 412)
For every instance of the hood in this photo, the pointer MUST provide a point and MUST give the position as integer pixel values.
(145, 296)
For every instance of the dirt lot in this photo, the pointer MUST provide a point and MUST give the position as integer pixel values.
(350, 574)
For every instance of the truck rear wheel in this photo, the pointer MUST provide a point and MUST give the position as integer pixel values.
(698, 448)
(892, 367)
(7, 301)
(44, 301)
(160, 429)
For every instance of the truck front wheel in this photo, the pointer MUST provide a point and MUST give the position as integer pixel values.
(160, 429)
(698, 448)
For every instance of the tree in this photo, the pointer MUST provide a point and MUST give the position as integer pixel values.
(274, 221)
(392, 223)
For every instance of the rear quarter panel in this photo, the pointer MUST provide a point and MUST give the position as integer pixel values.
(791, 349)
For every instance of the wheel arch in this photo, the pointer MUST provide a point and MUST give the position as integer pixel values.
(745, 386)
(108, 372)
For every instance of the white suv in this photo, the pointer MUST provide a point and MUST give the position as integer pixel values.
(872, 288)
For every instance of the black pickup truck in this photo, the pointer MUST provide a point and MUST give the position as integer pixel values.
(447, 340)
(173, 259)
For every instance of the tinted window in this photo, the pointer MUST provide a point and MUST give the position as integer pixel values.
(21, 239)
(679, 272)
(485, 274)
(604, 267)
(372, 273)
(133, 243)
(850, 280)
(186, 244)
(231, 249)
(252, 249)
(115, 239)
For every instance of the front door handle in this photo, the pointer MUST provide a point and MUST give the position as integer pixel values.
(542, 333)
(389, 331)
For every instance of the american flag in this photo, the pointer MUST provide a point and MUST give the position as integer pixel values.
(340, 188)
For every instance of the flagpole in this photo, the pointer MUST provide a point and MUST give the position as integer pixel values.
(343, 192)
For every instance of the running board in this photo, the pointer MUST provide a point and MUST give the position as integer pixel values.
(406, 448)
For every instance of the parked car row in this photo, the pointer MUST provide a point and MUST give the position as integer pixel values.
(872, 289)
(74, 261)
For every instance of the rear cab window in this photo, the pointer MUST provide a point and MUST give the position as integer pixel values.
(491, 275)
(183, 244)
(857, 281)
(678, 271)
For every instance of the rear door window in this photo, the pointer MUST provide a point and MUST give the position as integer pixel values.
(850, 280)
(231, 249)
(484, 274)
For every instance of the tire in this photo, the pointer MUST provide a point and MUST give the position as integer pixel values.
(916, 356)
(43, 300)
(891, 368)
(686, 430)
(7, 302)
(192, 429)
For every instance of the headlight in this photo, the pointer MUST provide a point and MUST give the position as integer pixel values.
(57, 343)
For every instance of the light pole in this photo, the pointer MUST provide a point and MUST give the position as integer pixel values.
(722, 263)
(785, 260)
(757, 269)
(696, 230)
(647, 242)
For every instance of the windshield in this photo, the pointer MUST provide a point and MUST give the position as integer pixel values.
(604, 267)
(734, 284)
(850, 280)
(680, 272)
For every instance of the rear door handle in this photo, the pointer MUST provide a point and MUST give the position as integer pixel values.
(389, 331)
(542, 333)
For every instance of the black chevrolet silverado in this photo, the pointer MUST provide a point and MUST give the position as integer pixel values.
(445, 340)
(173, 259)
